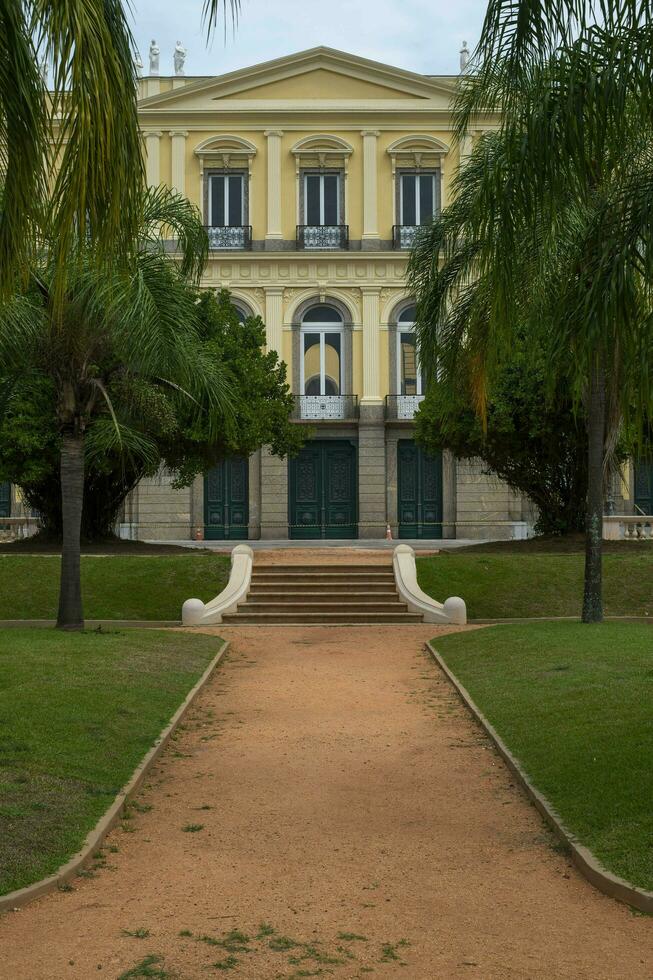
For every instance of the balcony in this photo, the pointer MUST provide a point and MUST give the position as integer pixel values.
(325, 408)
(323, 236)
(402, 408)
(237, 237)
(403, 236)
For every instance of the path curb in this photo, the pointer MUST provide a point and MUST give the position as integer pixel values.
(16, 899)
(90, 624)
(583, 858)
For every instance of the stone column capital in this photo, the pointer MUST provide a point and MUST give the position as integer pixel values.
(273, 132)
(179, 132)
(370, 132)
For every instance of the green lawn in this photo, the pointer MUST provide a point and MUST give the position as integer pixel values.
(78, 711)
(574, 704)
(498, 585)
(115, 586)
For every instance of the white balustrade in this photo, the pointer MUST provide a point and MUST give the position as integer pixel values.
(628, 527)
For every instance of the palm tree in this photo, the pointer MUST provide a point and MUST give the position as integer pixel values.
(83, 128)
(552, 225)
(132, 325)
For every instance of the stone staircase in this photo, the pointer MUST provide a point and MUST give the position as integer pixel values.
(321, 595)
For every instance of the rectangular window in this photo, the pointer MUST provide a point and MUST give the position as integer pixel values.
(321, 199)
(418, 197)
(226, 200)
(410, 379)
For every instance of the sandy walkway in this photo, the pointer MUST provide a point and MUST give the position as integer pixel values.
(342, 793)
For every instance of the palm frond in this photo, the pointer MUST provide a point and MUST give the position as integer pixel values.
(96, 141)
(22, 140)
(165, 214)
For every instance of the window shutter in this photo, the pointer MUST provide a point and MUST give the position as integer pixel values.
(426, 209)
(408, 202)
(217, 201)
(235, 200)
(330, 199)
(312, 203)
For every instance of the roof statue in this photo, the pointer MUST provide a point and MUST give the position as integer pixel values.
(154, 58)
(464, 57)
(179, 58)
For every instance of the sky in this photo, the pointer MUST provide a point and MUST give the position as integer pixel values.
(419, 35)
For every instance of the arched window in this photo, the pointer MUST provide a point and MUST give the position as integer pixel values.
(409, 376)
(244, 313)
(321, 361)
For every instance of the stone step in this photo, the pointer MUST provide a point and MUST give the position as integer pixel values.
(324, 577)
(292, 593)
(323, 605)
(309, 569)
(322, 618)
(320, 588)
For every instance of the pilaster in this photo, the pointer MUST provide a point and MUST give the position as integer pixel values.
(274, 496)
(178, 139)
(371, 338)
(370, 237)
(273, 137)
(152, 158)
(274, 318)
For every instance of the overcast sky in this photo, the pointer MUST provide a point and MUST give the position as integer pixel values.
(420, 35)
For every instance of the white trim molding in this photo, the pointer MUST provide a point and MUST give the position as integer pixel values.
(195, 613)
(452, 610)
(418, 150)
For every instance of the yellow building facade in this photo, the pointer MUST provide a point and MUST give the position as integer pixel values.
(312, 173)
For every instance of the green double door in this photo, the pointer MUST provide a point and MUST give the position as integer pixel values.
(5, 499)
(322, 492)
(226, 500)
(419, 492)
(644, 487)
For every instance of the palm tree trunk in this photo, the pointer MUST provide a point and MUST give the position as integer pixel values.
(71, 614)
(593, 590)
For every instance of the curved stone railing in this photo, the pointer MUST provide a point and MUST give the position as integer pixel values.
(452, 610)
(196, 613)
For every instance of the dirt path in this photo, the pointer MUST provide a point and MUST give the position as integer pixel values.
(342, 793)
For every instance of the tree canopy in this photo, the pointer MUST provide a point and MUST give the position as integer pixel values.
(551, 227)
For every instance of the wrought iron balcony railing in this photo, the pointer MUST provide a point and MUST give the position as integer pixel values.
(334, 408)
(323, 236)
(232, 236)
(402, 407)
(403, 236)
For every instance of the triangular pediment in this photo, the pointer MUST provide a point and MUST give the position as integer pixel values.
(319, 75)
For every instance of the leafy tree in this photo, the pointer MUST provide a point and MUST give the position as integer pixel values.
(552, 225)
(132, 328)
(537, 445)
(173, 434)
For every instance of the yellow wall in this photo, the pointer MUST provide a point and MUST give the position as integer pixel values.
(302, 104)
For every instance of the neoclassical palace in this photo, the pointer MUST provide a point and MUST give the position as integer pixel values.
(312, 173)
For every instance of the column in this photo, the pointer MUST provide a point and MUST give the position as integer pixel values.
(178, 140)
(370, 236)
(371, 428)
(371, 340)
(274, 318)
(152, 158)
(274, 184)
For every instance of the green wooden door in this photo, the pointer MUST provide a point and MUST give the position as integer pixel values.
(322, 500)
(644, 487)
(226, 500)
(419, 496)
(5, 499)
